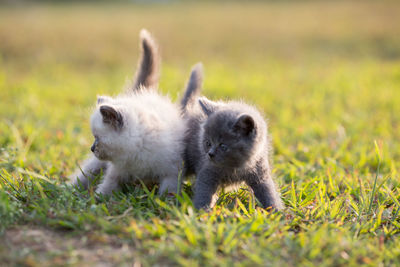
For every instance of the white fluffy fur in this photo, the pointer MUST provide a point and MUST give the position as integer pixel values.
(148, 146)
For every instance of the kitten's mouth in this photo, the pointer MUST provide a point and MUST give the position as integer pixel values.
(99, 156)
(224, 163)
(213, 161)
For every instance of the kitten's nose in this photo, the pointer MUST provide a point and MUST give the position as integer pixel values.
(211, 154)
(93, 147)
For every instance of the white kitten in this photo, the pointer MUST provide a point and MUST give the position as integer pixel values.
(138, 135)
(141, 135)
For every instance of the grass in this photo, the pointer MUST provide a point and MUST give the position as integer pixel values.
(326, 75)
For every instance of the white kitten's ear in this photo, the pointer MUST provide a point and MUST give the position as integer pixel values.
(244, 124)
(112, 117)
(207, 106)
(102, 99)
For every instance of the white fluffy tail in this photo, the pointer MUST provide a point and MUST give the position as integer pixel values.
(147, 74)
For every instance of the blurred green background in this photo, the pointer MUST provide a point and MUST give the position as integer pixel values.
(313, 66)
(326, 74)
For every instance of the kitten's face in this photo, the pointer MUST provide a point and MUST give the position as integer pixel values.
(108, 130)
(228, 139)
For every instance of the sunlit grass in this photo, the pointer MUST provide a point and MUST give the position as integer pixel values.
(326, 75)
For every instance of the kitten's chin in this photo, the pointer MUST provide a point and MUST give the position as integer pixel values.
(100, 157)
(227, 164)
(216, 163)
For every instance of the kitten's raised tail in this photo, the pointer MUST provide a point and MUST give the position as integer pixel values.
(193, 86)
(148, 70)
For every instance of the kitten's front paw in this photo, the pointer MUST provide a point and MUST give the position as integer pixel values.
(106, 189)
(78, 182)
(202, 205)
(102, 191)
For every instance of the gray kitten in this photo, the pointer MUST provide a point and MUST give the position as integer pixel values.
(226, 144)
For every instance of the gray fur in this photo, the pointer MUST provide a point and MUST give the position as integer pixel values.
(193, 86)
(207, 106)
(112, 116)
(227, 144)
(148, 71)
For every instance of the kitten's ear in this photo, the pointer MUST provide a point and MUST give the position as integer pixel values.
(207, 106)
(111, 116)
(244, 124)
(102, 99)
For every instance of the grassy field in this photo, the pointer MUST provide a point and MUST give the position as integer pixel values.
(325, 74)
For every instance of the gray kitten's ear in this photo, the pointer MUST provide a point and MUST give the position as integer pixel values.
(244, 124)
(102, 99)
(112, 116)
(207, 106)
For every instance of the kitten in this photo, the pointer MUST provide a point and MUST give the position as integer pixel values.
(138, 135)
(226, 144)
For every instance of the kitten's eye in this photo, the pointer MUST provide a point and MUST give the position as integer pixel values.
(208, 143)
(223, 147)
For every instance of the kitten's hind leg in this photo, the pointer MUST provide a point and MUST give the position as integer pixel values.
(110, 182)
(206, 186)
(169, 184)
(90, 169)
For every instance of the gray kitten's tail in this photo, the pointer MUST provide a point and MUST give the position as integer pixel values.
(193, 86)
(147, 74)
